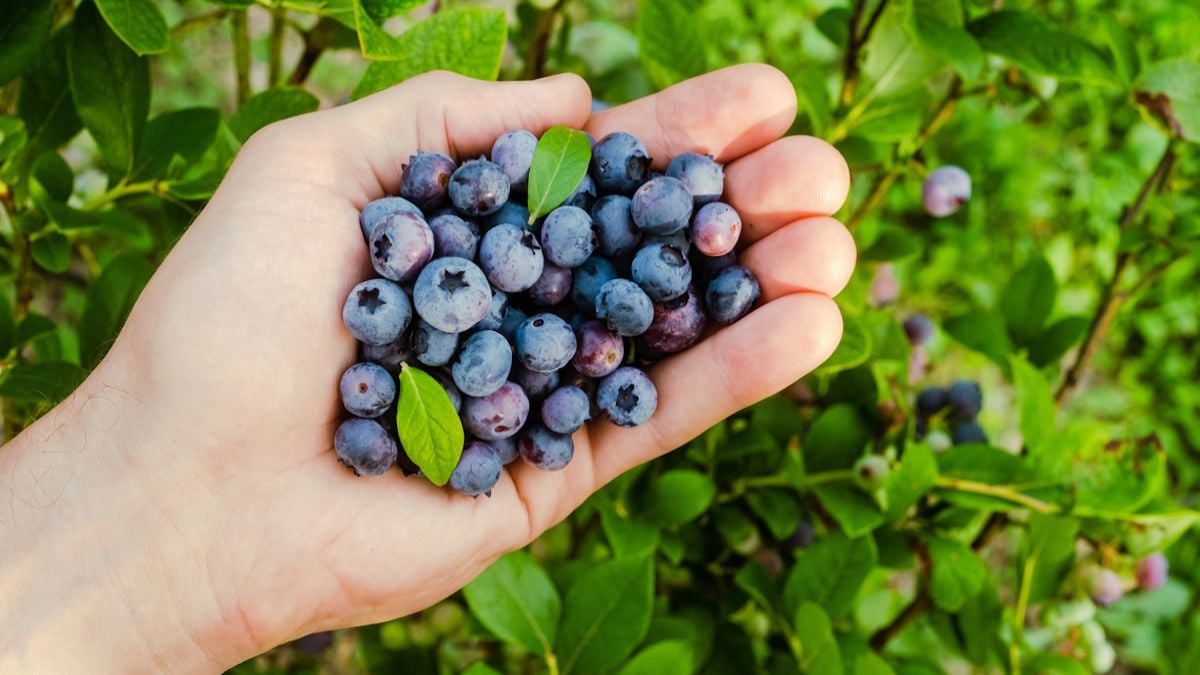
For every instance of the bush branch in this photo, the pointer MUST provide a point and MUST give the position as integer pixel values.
(275, 53)
(241, 55)
(855, 39)
(539, 44)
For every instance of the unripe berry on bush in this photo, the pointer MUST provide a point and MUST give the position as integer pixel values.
(1104, 586)
(1152, 571)
(939, 441)
(870, 471)
(884, 287)
(945, 191)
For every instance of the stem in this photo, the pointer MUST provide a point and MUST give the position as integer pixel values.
(316, 41)
(241, 55)
(854, 43)
(551, 663)
(873, 198)
(998, 491)
(1014, 647)
(199, 21)
(275, 55)
(539, 44)
(120, 191)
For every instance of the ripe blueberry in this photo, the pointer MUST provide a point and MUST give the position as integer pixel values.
(588, 279)
(703, 175)
(627, 397)
(600, 351)
(513, 153)
(545, 449)
(454, 237)
(565, 410)
(367, 389)
(377, 311)
(511, 257)
(677, 324)
(662, 271)
(375, 211)
(452, 294)
(425, 178)
(365, 446)
(945, 191)
(567, 237)
(478, 188)
(483, 364)
(431, 346)
(477, 471)
(552, 287)
(620, 163)
(545, 343)
(624, 307)
(731, 294)
(662, 205)
(400, 245)
(616, 233)
(500, 414)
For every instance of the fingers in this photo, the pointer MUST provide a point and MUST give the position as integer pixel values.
(726, 113)
(814, 254)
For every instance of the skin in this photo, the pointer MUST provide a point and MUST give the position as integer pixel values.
(183, 510)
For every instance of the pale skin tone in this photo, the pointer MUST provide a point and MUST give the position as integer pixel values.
(183, 511)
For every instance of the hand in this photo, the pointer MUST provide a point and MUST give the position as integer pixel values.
(205, 518)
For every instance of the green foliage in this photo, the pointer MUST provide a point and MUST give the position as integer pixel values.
(428, 425)
(560, 161)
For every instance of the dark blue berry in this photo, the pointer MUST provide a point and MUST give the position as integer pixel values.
(367, 389)
(377, 311)
(365, 446)
(478, 188)
(627, 397)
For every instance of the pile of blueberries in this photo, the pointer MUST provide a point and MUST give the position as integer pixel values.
(534, 329)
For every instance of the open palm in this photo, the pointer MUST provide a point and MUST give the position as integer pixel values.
(236, 345)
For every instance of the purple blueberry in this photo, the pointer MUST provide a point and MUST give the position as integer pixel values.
(536, 385)
(511, 257)
(584, 194)
(391, 355)
(1152, 571)
(662, 271)
(678, 239)
(677, 324)
(497, 311)
(552, 287)
(513, 318)
(731, 294)
(716, 228)
(931, 401)
(965, 399)
(967, 431)
(477, 471)
(588, 279)
(425, 179)
(375, 211)
(500, 414)
(620, 163)
(567, 237)
(431, 346)
(367, 389)
(454, 237)
(624, 307)
(703, 176)
(400, 246)
(452, 391)
(545, 449)
(478, 188)
(706, 268)
(919, 329)
(1105, 587)
(566, 410)
(483, 364)
(506, 448)
(600, 351)
(452, 294)
(627, 397)
(511, 213)
(545, 343)
(662, 206)
(945, 191)
(513, 153)
(377, 311)
(365, 446)
(616, 233)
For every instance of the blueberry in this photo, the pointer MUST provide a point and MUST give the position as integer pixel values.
(566, 410)
(620, 163)
(478, 188)
(452, 294)
(588, 279)
(425, 178)
(513, 319)
(616, 233)
(390, 355)
(552, 287)
(483, 364)
(677, 324)
(662, 271)
(545, 449)
(584, 194)
(545, 343)
(1105, 586)
(624, 307)
(731, 294)
(967, 431)
(716, 228)
(885, 287)
(1152, 571)
(627, 397)
(511, 213)
(377, 311)
(919, 329)
(567, 237)
(500, 414)
(365, 446)
(931, 401)
(870, 471)
(662, 206)
(400, 246)
(451, 389)
(432, 346)
(454, 237)
(965, 398)
(677, 239)
(407, 466)
(497, 311)
(599, 352)
(536, 385)
(945, 191)
(375, 211)
(478, 470)
(506, 448)
(511, 257)
(513, 153)
(367, 389)
(803, 536)
(706, 268)
(703, 176)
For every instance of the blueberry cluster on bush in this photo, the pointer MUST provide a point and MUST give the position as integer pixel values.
(533, 329)
(959, 405)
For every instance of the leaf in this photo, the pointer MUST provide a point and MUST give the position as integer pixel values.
(270, 106)
(52, 251)
(383, 9)
(854, 511)
(139, 23)
(1060, 336)
(560, 161)
(936, 25)
(374, 42)
(891, 244)
(852, 351)
(1041, 47)
(24, 28)
(628, 538)
(1117, 477)
(183, 134)
(1179, 81)
(108, 303)
(910, 481)
(1028, 299)
(516, 601)
(50, 381)
(8, 329)
(53, 173)
(1036, 406)
(834, 23)
(829, 573)
(468, 41)
(677, 497)
(428, 425)
(13, 136)
(672, 46)
(958, 574)
(835, 439)
(757, 583)
(1050, 547)
(606, 614)
(669, 657)
(32, 326)
(819, 651)
(982, 331)
(480, 668)
(111, 88)
(46, 104)
(779, 509)
(1123, 49)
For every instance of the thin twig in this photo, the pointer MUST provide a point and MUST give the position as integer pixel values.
(539, 44)
(241, 55)
(275, 52)
(316, 41)
(855, 40)
(199, 21)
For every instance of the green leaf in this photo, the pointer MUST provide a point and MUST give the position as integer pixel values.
(628, 538)
(678, 496)
(46, 104)
(50, 381)
(958, 574)
(1050, 547)
(468, 41)
(834, 23)
(8, 329)
(480, 668)
(982, 331)
(936, 25)
(111, 88)
(672, 47)
(1036, 406)
(32, 326)
(560, 161)
(910, 481)
(139, 23)
(1117, 477)
(179, 135)
(516, 601)
(854, 511)
(1058, 337)
(373, 41)
(24, 28)
(1179, 81)
(52, 251)
(108, 303)
(852, 351)
(53, 173)
(1028, 299)
(669, 657)
(428, 426)
(1041, 47)
(754, 580)
(891, 244)
(830, 572)
(819, 651)
(606, 615)
(1123, 49)
(779, 509)
(835, 439)
(13, 136)
(383, 9)
(270, 106)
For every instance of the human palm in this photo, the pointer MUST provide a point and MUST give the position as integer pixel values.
(236, 345)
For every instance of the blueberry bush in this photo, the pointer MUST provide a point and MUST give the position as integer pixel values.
(996, 471)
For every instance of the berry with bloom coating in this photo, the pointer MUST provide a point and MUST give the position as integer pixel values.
(662, 206)
(513, 153)
(545, 343)
(365, 446)
(453, 236)
(511, 257)
(452, 294)
(732, 294)
(425, 179)
(945, 191)
(584, 194)
(477, 471)
(401, 243)
(599, 351)
(483, 364)
(497, 312)
(567, 237)
(565, 410)
(500, 414)
(390, 355)
(1152, 571)
(545, 449)
(662, 271)
(716, 228)
(624, 307)
(588, 278)
(703, 175)
(377, 311)
(677, 324)
(536, 385)
(627, 397)
(552, 287)
(620, 163)
(511, 213)
(367, 389)
(375, 211)
(432, 346)
(507, 449)
(479, 188)
(870, 471)
(616, 233)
